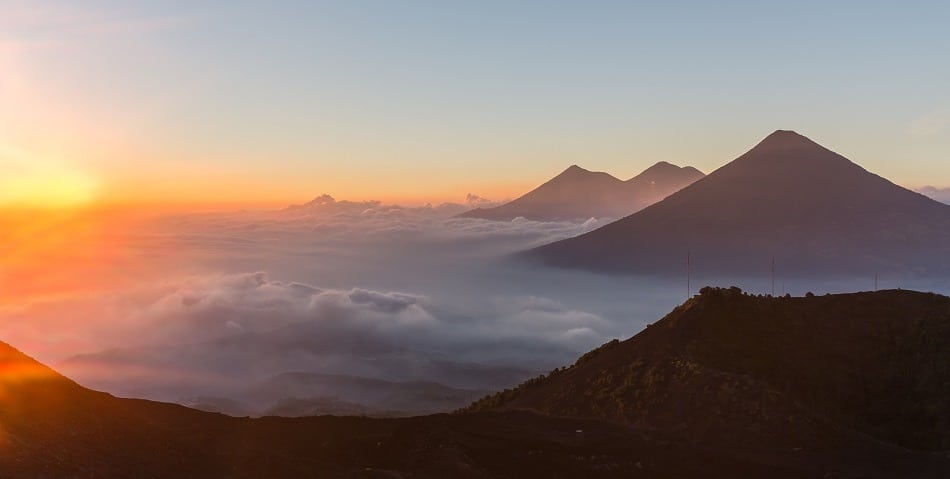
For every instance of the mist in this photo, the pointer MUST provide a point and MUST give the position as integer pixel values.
(940, 194)
(210, 305)
(208, 309)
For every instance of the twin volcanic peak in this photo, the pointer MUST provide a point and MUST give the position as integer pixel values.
(788, 198)
(579, 194)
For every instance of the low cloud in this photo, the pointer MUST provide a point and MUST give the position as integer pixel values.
(930, 125)
(214, 335)
(475, 201)
(940, 194)
(205, 304)
(209, 308)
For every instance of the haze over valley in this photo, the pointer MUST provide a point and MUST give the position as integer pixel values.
(204, 309)
(474, 239)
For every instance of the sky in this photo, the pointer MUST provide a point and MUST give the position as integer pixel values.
(162, 139)
(232, 102)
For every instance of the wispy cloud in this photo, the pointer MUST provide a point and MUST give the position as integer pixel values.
(351, 287)
(932, 124)
(39, 23)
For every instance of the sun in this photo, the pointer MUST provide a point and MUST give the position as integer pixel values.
(44, 184)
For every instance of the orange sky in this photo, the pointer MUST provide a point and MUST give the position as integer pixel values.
(163, 103)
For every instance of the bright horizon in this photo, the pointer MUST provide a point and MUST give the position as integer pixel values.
(354, 238)
(187, 106)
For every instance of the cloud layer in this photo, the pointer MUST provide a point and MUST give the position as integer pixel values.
(206, 304)
(940, 194)
(215, 335)
(211, 304)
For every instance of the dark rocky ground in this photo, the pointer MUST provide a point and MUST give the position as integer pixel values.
(727, 385)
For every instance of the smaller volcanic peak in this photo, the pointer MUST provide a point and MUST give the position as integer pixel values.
(573, 171)
(663, 173)
(661, 168)
(575, 176)
(579, 194)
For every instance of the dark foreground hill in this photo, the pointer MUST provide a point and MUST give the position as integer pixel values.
(579, 194)
(788, 198)
(51, 427)
(725, 386)
(731, 368)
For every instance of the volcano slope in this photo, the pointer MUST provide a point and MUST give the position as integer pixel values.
(788, 200)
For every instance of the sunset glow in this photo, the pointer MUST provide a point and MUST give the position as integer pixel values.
(46, 186)
(153, 104)
(492, 239)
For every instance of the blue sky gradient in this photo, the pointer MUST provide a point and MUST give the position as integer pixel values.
(435, 99)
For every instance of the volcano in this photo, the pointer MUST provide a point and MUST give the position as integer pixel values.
(789, 199)
(579, 194)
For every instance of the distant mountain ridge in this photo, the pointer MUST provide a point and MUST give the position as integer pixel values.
(579, 194)
(297, 394)
(788, 198)
(249, 373)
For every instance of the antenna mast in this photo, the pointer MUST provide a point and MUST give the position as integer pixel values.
(689, 290)
(773, 276)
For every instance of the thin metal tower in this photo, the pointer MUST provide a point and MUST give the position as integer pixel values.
(773, 276)
(689, 290)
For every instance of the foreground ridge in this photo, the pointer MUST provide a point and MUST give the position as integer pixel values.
(727, 384)
(728, 366)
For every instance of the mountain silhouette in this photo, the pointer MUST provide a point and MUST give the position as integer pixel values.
(577, 193)
(731, 368)
(788, 198)
(296, 394)
(52, 427)
(726, 385)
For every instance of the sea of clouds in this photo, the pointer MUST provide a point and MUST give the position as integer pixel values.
(214, 305)
(333, 287)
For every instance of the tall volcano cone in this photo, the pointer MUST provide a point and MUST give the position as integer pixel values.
(787, 198)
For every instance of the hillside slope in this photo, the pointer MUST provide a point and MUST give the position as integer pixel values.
(51, 427)
(746, 370)
(727, 385)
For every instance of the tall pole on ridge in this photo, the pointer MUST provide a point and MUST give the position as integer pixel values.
(689, 290)
(773, 276)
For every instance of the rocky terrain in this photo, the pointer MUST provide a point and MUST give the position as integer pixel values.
(726, 385)
(812, 372)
